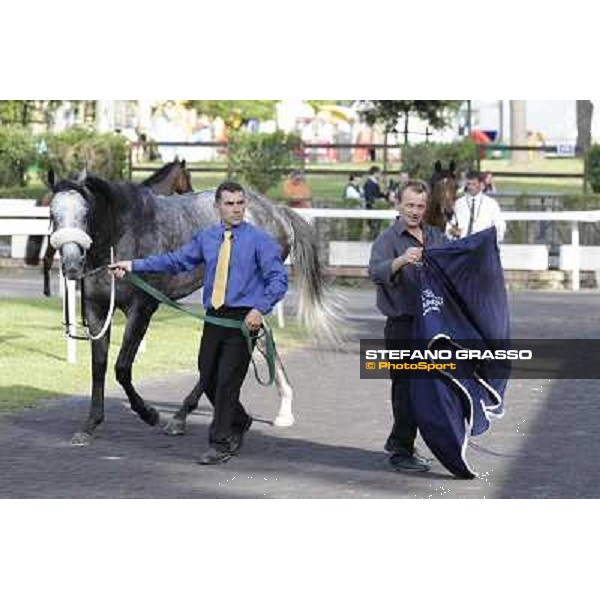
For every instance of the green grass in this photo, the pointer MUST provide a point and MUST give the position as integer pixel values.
(537, 165)
(327, 189)
(33, 358)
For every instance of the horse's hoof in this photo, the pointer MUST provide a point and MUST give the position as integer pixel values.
(81, 438)
(152, 417)
(174, 427)
(284, 420)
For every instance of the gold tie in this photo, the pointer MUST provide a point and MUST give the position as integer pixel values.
(218, 293)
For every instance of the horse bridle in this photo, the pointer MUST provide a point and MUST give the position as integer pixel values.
(67, 235)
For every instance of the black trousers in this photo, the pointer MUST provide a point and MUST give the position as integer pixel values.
(223, 362)
(404, 429)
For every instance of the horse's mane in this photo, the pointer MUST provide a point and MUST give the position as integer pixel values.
(160, 175)
(66, 185)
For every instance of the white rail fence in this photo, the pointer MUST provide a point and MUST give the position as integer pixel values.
(527, 257)
(20, 218)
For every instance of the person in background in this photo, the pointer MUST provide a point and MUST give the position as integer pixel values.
(395, 186)
(487, 183)
(372, 188)
(296, 191)
(352, 190)
(475, 211)
(372, 192)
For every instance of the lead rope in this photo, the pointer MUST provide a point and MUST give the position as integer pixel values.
(107, 321)
(270, 348)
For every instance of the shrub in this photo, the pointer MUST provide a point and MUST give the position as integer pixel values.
(593, 167)
(262, 159)
(17, 155)
(418, 159)
(105, 154)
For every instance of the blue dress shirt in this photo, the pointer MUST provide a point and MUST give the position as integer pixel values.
(257, 277)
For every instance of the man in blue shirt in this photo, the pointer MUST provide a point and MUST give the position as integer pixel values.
(244, 278)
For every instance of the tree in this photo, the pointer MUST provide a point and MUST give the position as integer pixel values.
(584, 110)
(26, 112)
(235, 112)
(16, 111)
(436, 113)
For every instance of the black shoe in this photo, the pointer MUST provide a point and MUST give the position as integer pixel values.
(392, 448)
(419, 456)
(238, 437)
(402, 462)
(214, 456)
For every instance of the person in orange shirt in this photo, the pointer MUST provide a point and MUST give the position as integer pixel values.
(296, 190)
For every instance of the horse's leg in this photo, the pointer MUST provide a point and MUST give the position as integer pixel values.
(176, 424)
(285, 417)
(95, 315)
(138, 318)
(47, 262)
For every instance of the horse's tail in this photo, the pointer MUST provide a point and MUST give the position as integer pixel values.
(319, 307)
(32, 249)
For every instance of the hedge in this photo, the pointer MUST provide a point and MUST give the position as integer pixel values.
(105, 154)
(418, 159)
(17, 155)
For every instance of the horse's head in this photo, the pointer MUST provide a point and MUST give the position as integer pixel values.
(172, 178)
(443, 185)
(70, 213)
(443, 195)
(182, 183)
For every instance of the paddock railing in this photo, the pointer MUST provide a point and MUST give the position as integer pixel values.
(19, 218)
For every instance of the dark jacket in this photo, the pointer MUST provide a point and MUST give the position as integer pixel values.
(398, 295)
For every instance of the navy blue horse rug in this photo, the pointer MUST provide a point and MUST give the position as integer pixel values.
(463, 306)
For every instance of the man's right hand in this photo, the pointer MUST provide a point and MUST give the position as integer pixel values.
(410, 257)
(120, 268)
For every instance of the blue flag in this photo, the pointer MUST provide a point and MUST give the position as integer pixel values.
(463, 304)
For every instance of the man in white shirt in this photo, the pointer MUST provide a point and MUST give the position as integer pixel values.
(475, 211)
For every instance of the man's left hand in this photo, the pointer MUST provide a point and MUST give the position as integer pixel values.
(253, 320)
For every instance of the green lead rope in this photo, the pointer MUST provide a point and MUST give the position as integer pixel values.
(270, 352)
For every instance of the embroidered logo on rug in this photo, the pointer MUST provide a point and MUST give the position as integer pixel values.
(431, 302)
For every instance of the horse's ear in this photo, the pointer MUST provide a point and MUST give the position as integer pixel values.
(182, 163)
(51, 179)
(437, 166)
(176, 159)
(452, 166)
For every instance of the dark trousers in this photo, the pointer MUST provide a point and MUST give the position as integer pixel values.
(404, 429)
(223, 362)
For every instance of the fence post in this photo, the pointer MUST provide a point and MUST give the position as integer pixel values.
(575, 250)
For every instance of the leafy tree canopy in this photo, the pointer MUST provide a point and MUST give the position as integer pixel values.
(436, 113)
